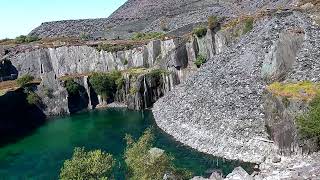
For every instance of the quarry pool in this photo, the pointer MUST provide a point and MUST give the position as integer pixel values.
(41, 155)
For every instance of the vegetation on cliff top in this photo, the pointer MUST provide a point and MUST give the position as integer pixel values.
(114, 47)
(305, 90)
(26, 39)
(106, 84)
(71, 86)
(147, 36)
(88, 165)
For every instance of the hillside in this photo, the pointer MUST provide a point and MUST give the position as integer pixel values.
(177, 16)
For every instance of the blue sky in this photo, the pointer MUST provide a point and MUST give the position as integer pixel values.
(19, 17)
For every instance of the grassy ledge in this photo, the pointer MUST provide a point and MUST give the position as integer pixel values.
(305, 90)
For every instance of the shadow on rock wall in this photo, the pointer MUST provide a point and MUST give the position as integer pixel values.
(17, 117)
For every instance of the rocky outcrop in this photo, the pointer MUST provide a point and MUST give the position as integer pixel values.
(280, 114)
(219, 109)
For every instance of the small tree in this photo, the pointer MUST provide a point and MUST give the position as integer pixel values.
(145, 163)
(87, 165)
(24, 80)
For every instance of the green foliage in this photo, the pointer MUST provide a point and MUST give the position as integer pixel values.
(248, 25)
(103, 84)
(147, 36)
(309, 123)
(141, 165)
(212, 22)
(156, 73)
(26, 39)
(84, 36)
(117, 77)
(144, 165)
(72, 87)
(200, 31)
(114, 47)
(33, 98)
(200, 60)
(24, 80)
(89, 165)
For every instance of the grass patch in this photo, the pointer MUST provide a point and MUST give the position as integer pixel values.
(114, 47)
(147, 36)
(305, 90)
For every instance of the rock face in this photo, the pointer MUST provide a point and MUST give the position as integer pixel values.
(178, 16)
(219, 109)
(175, 56)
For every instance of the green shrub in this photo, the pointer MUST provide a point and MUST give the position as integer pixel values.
(309, 123)
(117, 77)
(200, 60)
(142, 165)
(200, 31)
(24, 80)
(26, 39)
(33, 98)
(103, 84)
(114, 47)
(88, 165)
(72, 87)
(147, 36)
(212, 22)
(156, 73)
(248, 25)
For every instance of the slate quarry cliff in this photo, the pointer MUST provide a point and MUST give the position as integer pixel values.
(225, 107)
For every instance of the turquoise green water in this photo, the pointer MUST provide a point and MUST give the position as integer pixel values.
(41, 155)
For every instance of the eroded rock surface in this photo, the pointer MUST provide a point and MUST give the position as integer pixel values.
(219, 109)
